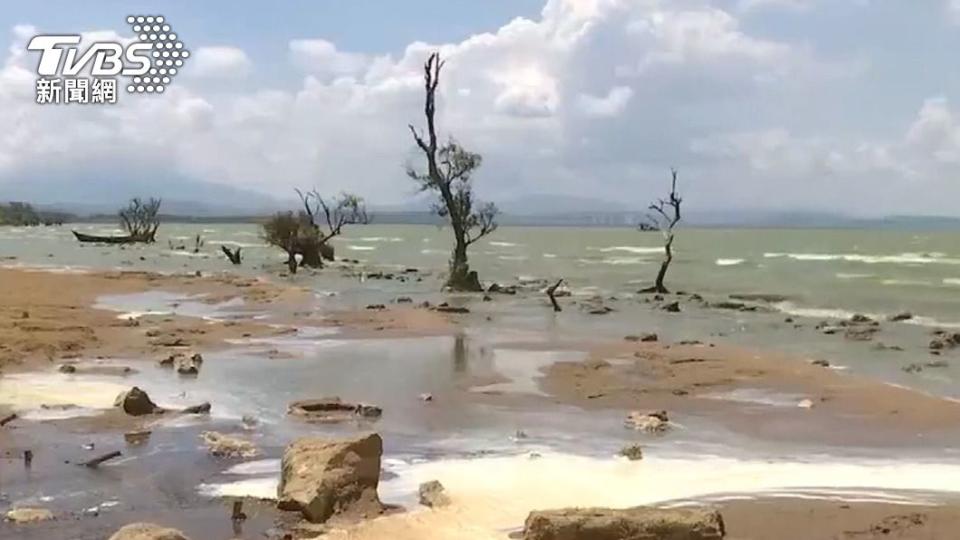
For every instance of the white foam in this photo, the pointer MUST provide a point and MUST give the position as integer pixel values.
(630, 249)
(729, 262)
(264, 488)
(903, 258)
(361, 248)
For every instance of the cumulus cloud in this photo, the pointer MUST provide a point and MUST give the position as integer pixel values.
(601, 93)
(219, 62)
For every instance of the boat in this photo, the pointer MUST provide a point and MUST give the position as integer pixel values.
(91, 238)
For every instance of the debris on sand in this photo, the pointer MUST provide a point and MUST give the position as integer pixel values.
(433, 495)
(147, 531)
(604, 523)
(28, 515)
(226, 446)
(649, 422)
(321, 477)
(332, 410)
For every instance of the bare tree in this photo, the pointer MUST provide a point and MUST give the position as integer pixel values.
(664, 216)
(449, 173)
(344, 209)
(141, 219)
(302, 234)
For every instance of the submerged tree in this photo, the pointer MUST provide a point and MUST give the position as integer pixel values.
(449, 171)
(302, 234)
(664, 216)
(141, 219)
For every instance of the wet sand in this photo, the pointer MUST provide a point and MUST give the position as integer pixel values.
(760, 394)
(49, 318)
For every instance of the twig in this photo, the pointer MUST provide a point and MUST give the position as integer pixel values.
(553, 299)
(7, 419)
(95, 462)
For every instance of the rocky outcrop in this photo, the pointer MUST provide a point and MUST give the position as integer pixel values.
(332, 410)
(632, 523)
(28, 515)
(136, 402)
(433, 495)
(321, 478)
(147, 531)
(945, 340)
(226, 446)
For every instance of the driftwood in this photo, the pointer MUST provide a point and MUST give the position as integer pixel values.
(95, 462)
(551, 292)
(7, 419)
(232, 255)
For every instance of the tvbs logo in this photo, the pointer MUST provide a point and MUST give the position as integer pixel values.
(148, 64)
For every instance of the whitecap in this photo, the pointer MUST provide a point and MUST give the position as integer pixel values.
(729, 262)
(361, 248)
(503, 244)
(629, 249)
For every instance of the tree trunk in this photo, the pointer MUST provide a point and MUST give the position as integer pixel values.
(292, 262)
(461, 277)
(659, 287)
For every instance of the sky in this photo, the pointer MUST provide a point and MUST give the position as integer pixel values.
(828, 105)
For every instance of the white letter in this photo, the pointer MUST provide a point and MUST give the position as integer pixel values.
(110, 54)
(50, 58)
(142, 59)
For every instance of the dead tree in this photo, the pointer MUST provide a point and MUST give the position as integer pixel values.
(232, 255)
(449, 170)
(552, 293)
(664, 216)
(141, 219)
(345, 209)
(302, 234)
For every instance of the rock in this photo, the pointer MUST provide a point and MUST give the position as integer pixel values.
(67, 368)
(28, 515)
(761, 297)
(860, 333)
(821, 363)
(944, 341)
(189, 365)
(225, 446)
(136, 402)
(501, 289)
(325, 477)
(203, 408)
(376, 307)
(404, 300)
(170, 360)
(649, 422)
(433, 495)
(446, 308)
(136, 438)
(332, 409)
(859, 318)
(147, 531)
(632, 452)
(672, 307)
(913, 368)
(426, 397)
(937, 364)
(900, 317)
(602, 310)
(648, 337)
(632, 523)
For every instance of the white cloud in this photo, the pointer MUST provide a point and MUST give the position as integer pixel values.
(676, 82)
(793, 5)
(612, 104)
(219, 62)
(321, 57)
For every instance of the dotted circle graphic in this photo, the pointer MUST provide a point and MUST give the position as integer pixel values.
(167, 51)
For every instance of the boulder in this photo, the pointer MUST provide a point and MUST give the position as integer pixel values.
(332, 409)
(632, 523)
(189, 365)
(147, 531)
(900, 317)
(28, 515)
(633, 452)
(321, 477)
(433, 494)
(221, 445)
(203, 408)
(136, 402)
(672, 307)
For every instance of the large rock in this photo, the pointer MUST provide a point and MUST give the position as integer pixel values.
(433, 495)
(325, 477)
(136, 402)
(147, 531)
(28, 515)
(630, 524)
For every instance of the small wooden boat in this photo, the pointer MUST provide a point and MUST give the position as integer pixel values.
(91, 238)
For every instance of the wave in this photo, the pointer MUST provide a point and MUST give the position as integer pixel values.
(549, 256)
(238, 244)
(503, 244)
(902, 258)
(842, 275)
(616, 261)
(361, 248)
(512, 257)
(952, 281)
(629, 249)
(377, 239)
(907, 282)
(729, 262)
(790, 308)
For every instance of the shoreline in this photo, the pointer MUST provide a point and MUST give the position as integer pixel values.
(697, 384)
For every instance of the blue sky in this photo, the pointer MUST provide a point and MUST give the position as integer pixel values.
(761, 104)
